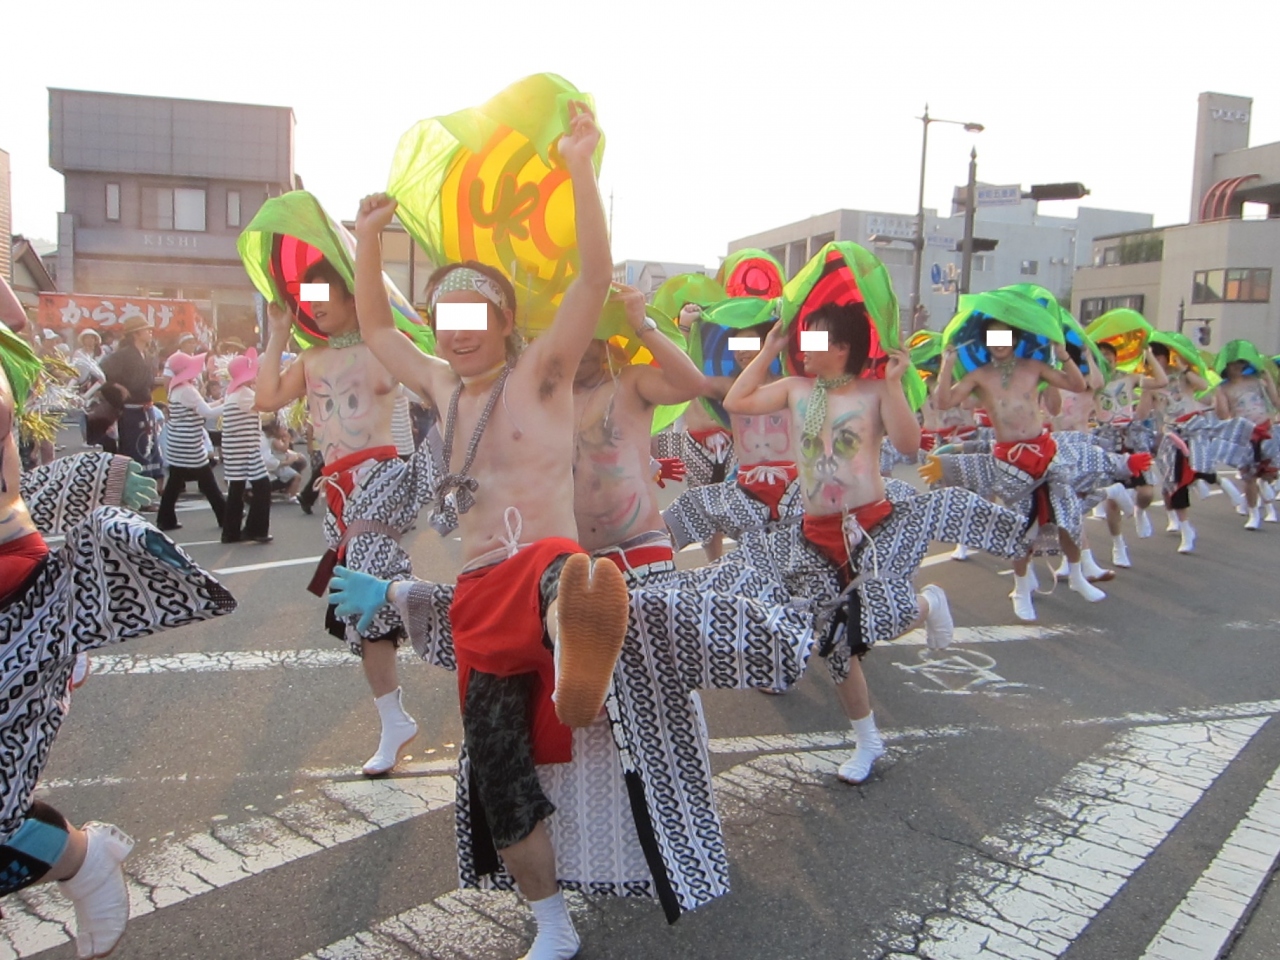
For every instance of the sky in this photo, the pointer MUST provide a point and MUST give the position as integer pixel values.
(721, 119)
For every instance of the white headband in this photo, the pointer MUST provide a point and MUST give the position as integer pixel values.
(464, 278)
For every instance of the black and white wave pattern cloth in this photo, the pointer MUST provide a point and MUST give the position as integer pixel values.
(116, 578)
(702, 463)
(1137, 436)
(1207, 442)
(725, 626)
(886, 561)
(391, 492)
(64, 492)
(700, 512)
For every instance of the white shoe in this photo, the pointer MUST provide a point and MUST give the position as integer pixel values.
(1255, 519)
(1233, 494)
(1120, 552)
(961, 552)
(857, 768)
(1123, 498)
(1023, 607)
(1092, 572)
(1142, 522)
(1060, 572)
(98, 891)
(80, 672)
(1270, 516)
(398, 729)
(1174, 523)
(939, 628)
(1188, 544)
(1077, 582)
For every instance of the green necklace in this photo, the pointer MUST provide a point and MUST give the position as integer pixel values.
(815, 414)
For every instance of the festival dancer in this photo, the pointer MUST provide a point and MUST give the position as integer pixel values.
(1007, 388)
(372, 495)
(1124, 411)
(55, 605)
(525, 581)
(242, 461)
(185, 451)
(1249, 392)
(871, 543)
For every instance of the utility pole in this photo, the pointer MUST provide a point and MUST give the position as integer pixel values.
(918, 240)
(970, 210)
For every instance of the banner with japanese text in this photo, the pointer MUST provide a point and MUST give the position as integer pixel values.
(60, 311)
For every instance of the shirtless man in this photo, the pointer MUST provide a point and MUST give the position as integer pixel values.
(510, 488)
(1251, 395)
(614, 499)
(1123, 405)
(1008, 387)
(350, 400)
(840, 421)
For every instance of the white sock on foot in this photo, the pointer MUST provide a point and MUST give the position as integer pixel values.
(939, 628)
(1080, 584)
(1142, 522)
(1255, 519)
(870, 748)
(1233, 492)
(1023, 608)
(961, 552)
(1174, 523)
(1120, 552)
(1188, 538)
(1090, 566)
(398, 728)
(556, 939)
(98, 891)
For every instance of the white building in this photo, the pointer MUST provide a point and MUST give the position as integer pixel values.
(648, 275)
(1031, 247)
(1213, 275)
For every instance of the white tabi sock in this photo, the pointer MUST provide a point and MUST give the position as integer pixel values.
(556, 939)
(1188, 544)
(1120, 551)
(1174, 523)
(870, 748)
(1142, 522)
(1023, 607)
(1081, 585)
(1089, 565)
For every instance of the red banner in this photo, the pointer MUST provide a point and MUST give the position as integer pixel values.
(60, 311)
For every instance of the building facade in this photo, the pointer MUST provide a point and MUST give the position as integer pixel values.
(1030, 246)
(648, 275)
(157, 191)
(1212, 277)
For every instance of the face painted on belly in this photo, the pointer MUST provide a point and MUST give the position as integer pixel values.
(827, 462)
(763, 437)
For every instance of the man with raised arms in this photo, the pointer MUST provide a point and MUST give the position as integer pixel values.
(350, 401)
(526, 585)
(1008, 388)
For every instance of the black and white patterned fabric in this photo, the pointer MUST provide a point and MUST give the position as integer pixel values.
(701, 464)
(64, 492)
(725, 626)
(891, 457)
(1137, 436)
(116, 578)
(390, 492)
(698, 513)
(667, 443)
(185, 433)
(1208, 442)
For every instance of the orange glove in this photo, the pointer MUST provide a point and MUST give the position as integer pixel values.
(931, 470)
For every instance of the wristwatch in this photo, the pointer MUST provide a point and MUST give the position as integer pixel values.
(648, 326)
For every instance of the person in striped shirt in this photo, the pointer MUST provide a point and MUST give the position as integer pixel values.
(242, 461)
(186, 452)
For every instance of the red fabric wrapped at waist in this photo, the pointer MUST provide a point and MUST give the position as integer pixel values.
(716, 448)
(767, 482)
(826, 532)
(1261, 432)
(637, 557)
(1030, 456)
(342, 478)
(498, 629)
(18, 559)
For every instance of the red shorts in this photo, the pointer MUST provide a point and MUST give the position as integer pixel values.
(18, 560)
(826, 532)
(767, 482)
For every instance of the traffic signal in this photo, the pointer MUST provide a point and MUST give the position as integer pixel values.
(1203, 334)
(1058, 191)
(979, 245)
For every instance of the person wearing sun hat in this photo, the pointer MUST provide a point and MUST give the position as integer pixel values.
(1248, 390)
(130, 365)
(242, 461)
(186, 452)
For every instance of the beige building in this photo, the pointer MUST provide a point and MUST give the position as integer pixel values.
(1212, 277)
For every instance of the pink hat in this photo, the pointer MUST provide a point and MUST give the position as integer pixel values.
(185, 368)
(243, 369)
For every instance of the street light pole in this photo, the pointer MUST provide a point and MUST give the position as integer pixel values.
(970, 210)
(919, 238)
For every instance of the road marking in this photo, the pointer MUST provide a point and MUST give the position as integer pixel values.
(960, 672)
(1042, 879)
(996, 634)
(137, 664)
(1211, 913)
(1064, 862)
(250, 567)
(38, 918)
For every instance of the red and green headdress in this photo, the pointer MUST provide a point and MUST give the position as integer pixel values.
(843, 272)
(1127, 331)
(751, 273)
(709, 341)
(286, 237)
(684, 288)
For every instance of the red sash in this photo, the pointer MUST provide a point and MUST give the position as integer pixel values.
(826, 531)
(1032, 457)
(716, 451)
(497, 628)
(18, 559)
(767, 482)
(342, 478)
(637, 557)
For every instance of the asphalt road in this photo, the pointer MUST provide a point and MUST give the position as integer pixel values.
(1075, 788)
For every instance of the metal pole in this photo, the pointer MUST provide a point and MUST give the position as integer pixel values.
(970, 205)
(413, 255)
(919, 237)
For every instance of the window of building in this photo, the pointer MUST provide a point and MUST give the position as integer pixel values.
(981, 262)
(113, 201)
(798, 256)
(233, 208)
(1110, 256)
(820, 241)
(780, 254)
(1091, 308)
(1236, 285)
(188, 209)
(157, 208)
(1030, 268)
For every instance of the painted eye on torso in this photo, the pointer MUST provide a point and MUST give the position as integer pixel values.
(846, 443)
(810, 447)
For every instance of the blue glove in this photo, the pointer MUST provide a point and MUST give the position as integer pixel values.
(357, 594)
(138, 490)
